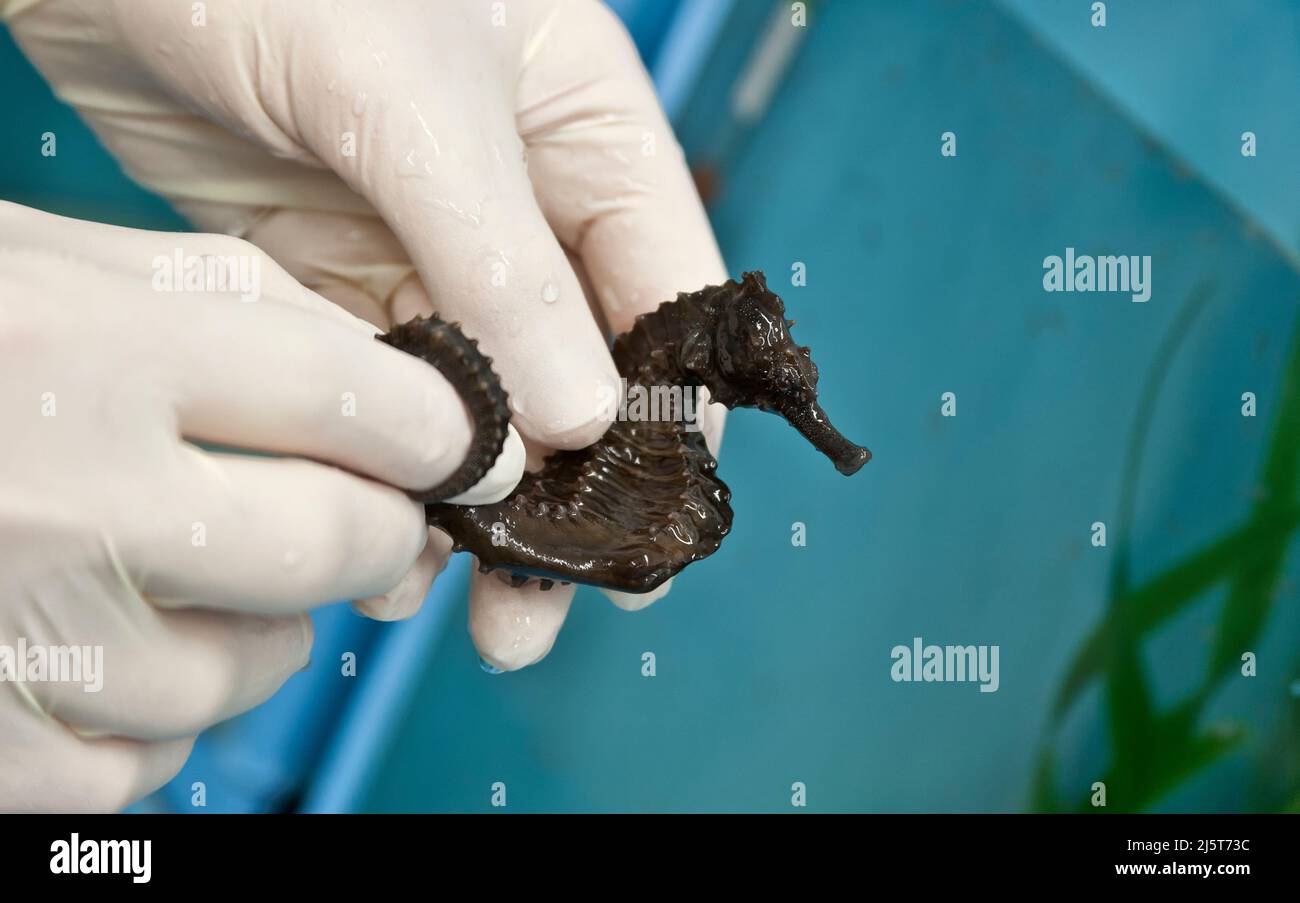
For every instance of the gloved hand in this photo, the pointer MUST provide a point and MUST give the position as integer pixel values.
(507, 160)
(188, 569)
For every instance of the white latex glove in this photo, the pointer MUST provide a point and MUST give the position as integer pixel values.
(495, 157)
(188, 569)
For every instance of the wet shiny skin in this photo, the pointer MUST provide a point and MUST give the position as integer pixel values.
(633, 509)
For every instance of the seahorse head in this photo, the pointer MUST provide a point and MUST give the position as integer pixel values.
(757, 364)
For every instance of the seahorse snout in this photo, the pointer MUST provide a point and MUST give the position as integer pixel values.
(811, 421)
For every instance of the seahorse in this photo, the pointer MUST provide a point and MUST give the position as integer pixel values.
(644, 501)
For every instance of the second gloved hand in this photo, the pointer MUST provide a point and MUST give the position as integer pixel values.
(183, 569)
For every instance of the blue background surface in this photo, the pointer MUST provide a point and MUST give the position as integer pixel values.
(924, 277)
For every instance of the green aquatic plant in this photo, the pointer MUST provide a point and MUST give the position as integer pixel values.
(1154, 750)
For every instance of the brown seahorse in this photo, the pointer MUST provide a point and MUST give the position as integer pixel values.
(644, 501)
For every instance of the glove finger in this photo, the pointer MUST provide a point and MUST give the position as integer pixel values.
(638, 601)
(177, 672)
(410, 300)
(514, 627)
(617, 190)
(45, 767)
(406, 598)
(270, 535)
(610, 176)
(461, 203)
(353, 260)
(271, 378)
